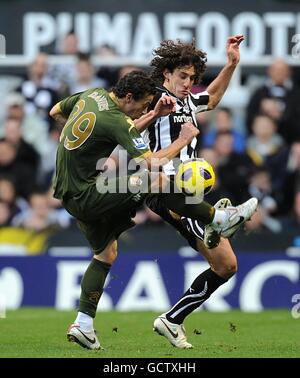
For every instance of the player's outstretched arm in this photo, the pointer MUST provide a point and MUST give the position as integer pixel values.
(164, 106)
(218, 87)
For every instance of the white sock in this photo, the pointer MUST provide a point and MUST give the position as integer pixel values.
(85, 321)
(220, 217)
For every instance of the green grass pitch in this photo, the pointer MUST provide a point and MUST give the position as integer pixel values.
(36, 332)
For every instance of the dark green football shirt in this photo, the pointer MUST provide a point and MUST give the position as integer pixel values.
(95, 126)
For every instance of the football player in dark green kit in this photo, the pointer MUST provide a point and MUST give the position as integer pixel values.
(95, 122)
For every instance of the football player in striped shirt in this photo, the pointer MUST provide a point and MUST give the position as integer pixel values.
(177, 66)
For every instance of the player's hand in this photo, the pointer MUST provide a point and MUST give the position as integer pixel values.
(164, 106)
(233, 48)
(188, 132)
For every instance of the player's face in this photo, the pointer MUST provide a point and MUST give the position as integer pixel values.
(180, 81)
(135, 109)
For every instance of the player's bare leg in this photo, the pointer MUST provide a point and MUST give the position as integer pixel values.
(221, 259)
(223, 265)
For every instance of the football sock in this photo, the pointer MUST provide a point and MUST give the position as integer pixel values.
(202, 211)
(200, 290)
(85, 321)
(92, 286)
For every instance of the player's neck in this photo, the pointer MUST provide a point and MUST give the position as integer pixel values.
(115, 99)
(169, 89)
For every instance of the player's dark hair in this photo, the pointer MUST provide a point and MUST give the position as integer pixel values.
(138, 83)
(176, 54)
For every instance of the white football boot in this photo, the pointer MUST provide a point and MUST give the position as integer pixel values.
(87, 340)
(211, 237)
(236, 217)
(175, 333)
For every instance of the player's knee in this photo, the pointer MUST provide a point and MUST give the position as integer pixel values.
(228, 268)
(231, 268)
(109, 257)
(112, 253)
(109, 254)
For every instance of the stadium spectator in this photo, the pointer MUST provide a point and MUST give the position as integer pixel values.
(126, 70)
(8, 196)
(5, 214)
(23, 175)
(261, 187)
(108, 73)
(234, 169)
(34, 129)
(270, 108)
(265, 140)
(69, 45)
(266, 147)
(223, 121)
(106, 51)
(39, 90)
(64, 73)
(85, 77)
(25, 152)
(40, 216)
(218, 191)
(285, 106)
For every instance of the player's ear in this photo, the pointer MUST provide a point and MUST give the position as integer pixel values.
(128, 97)
(166, 74)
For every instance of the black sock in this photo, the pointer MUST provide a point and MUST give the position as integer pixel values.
(201, 289)
(176, 202)
(92, 286)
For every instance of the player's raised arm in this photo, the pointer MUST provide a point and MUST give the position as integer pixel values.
(218, 87)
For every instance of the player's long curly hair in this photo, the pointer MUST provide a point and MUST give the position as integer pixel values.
(139, 83)
(176, 54)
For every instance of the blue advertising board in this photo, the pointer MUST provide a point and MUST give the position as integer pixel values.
(140, 281)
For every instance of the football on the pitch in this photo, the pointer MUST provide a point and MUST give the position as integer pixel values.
(195, 176)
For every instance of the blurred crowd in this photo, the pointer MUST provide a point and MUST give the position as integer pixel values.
(254, 153)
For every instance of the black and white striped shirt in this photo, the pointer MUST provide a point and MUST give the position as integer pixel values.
(166, 129)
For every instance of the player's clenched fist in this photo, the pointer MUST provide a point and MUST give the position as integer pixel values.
(188, 131)
(165, 106)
